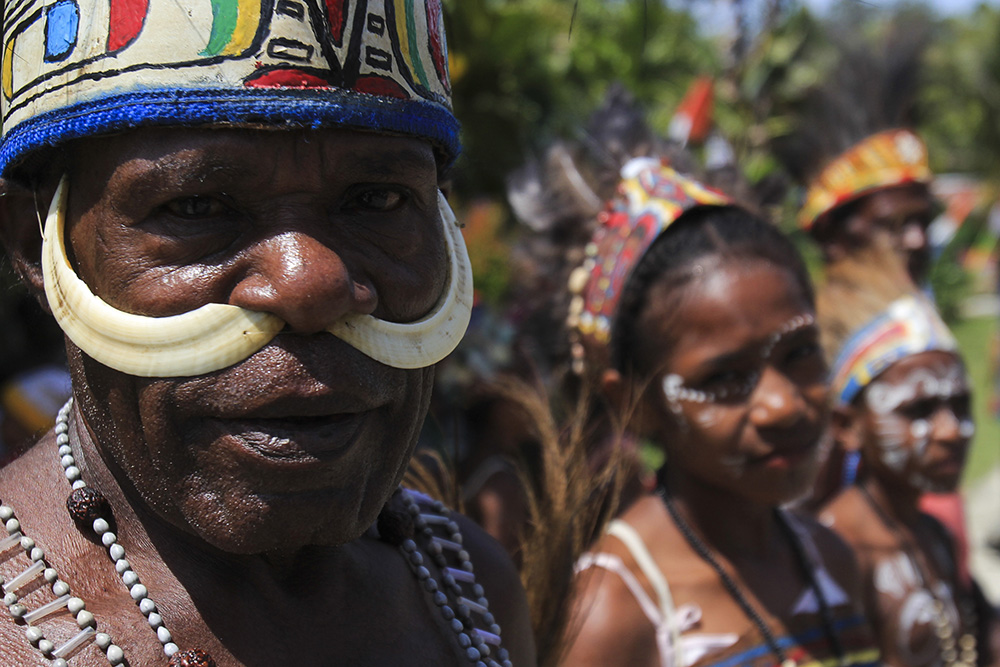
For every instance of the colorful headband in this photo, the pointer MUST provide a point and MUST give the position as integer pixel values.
(75, 68)
(910, 325)
(890, 158)
(650, 197)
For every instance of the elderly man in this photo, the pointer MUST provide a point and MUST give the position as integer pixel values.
(244, 242)
(874, 196)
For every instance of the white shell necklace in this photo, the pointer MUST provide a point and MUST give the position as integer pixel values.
(460, 599)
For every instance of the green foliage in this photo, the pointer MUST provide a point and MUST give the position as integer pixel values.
(960, 97)
(528, 71)
(977, 339)
(949, 279)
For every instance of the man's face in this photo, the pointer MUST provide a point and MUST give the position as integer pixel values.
(303, 441)
(900, 216)
(918, 423)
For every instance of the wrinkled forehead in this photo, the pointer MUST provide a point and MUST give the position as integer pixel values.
(237, 152)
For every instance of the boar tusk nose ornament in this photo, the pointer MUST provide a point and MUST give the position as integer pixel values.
(217, 335)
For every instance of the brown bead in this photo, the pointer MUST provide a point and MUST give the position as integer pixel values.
(192, 658)
(85, 504)
(395, 526)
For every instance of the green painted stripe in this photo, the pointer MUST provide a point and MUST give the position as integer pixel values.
(415, 48)
(224, 16)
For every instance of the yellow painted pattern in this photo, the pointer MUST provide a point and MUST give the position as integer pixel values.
(8, 70)
(247, 22)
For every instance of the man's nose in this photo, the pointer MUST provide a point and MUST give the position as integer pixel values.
(949, 428)
(303, 281)
(913, 236)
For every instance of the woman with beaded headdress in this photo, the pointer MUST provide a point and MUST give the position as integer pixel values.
(901, 409)
(245, 244)
(691, 324)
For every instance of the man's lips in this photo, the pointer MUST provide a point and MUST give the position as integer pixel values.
(305, 439)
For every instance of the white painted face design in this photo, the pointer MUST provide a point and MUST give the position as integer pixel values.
(677, 393)
(902, 438)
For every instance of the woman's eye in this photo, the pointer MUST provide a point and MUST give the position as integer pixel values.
(196, 207)
(729, 384)
(379, 199)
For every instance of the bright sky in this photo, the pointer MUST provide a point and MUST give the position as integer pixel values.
(946, 7)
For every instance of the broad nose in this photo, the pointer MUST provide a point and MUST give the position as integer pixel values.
(776, 401)
(303, 281)
(951, 429)
(913, 236)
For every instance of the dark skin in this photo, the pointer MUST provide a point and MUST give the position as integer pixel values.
(896, 216)
(929, 457)
(730, 316)
(241, 496)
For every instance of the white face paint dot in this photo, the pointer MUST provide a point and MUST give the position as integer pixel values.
(967, 428)
(920, 429)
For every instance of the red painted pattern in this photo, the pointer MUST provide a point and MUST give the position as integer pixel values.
(335, 10)
(287, 78)
(125, 22)
(434, 25)
(376, 85)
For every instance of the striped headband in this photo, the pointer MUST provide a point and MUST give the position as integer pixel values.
(76, 68)
(887, 159)
(910, 325)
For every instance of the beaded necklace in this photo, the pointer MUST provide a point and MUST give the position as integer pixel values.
(954, 654)
(737, 593)
(460, 607)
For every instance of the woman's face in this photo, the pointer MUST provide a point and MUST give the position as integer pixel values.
(916, 422)
(740, 395)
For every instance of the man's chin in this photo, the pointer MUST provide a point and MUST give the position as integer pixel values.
(260, 525)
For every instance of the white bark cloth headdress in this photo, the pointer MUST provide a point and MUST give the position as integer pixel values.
(79, 68)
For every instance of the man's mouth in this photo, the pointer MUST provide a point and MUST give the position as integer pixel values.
(295, 439)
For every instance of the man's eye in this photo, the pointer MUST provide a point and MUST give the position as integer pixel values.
(196, 207)
(381, 199)
(919, 409)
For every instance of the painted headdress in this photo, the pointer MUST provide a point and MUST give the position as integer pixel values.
(78, 68)
(886, 159)
(910, 325)
(75, 68)
(651, 196)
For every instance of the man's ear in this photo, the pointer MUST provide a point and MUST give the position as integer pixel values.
(21, 219)
(847, 428)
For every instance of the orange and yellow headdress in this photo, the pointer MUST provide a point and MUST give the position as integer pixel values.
(886, 159)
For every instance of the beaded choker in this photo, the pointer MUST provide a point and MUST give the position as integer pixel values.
(460, 599)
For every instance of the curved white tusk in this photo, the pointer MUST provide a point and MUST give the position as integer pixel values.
(434, 336)
(218, 335)
(203, 340)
